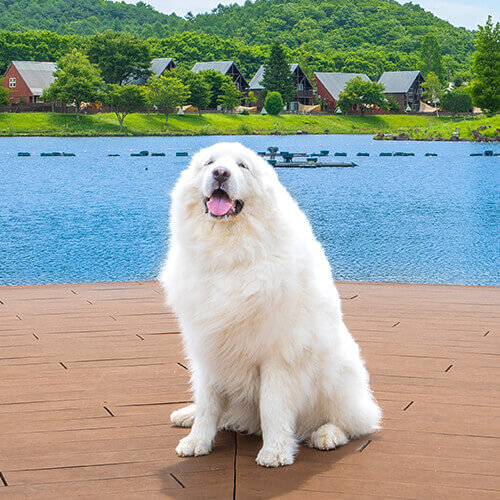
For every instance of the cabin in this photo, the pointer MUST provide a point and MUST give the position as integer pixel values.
(304, 90)
(159, 67)
(27, 80)
(404, 87)
(226, 68)
(330, 85)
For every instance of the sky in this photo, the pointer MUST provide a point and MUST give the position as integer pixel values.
(467, 13)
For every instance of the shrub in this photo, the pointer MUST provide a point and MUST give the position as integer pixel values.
(457, 100)
(273, 103)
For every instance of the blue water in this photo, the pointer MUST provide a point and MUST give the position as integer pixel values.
(98, 218)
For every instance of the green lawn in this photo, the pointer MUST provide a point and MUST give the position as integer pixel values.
(55, 124)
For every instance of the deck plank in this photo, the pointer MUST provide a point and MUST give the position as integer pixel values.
(91, 371)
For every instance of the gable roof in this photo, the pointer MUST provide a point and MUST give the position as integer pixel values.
(398, 81)
(335, 82)
(37, 75)
(160, 64)
(220, 66)
(256, 81)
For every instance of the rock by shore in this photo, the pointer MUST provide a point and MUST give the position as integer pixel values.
(476, 134)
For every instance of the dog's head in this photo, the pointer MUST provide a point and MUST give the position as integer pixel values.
(225, 183)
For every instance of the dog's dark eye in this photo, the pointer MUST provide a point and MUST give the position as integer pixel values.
(242, 165)
(209, 162)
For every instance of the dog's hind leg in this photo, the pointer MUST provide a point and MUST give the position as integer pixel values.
(328, 437)
(353, 407)
(183, 417)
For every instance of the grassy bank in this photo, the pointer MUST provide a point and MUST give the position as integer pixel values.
(418, 127)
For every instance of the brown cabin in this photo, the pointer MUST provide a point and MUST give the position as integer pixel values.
(304, 90)
(404, 87)
(27, 80)
(226, 68)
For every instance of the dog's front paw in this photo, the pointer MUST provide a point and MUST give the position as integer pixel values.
(193, 446)
(274, 457)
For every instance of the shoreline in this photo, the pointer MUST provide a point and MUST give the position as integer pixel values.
(383, 127)
(337, 281)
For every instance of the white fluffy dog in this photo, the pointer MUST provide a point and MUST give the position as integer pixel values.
(259, 313)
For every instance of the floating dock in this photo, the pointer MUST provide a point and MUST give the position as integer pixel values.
(311, 164)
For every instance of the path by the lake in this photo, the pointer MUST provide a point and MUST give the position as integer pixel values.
(90, 373)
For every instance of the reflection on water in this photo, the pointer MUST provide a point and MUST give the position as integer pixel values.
(97, 218)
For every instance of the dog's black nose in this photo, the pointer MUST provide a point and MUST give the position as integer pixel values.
(221, 174)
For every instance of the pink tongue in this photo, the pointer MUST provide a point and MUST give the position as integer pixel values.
(219, 204)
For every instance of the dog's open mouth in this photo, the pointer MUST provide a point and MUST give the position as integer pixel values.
(220, 205)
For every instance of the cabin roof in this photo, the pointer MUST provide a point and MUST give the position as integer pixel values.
(335, 82)
(37, 75)
(220, 66)
(395, 82)
(158, 66)
(256, 81)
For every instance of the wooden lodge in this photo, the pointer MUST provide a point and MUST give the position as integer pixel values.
(304, 90)
(330, 85)
(228, 68)
(404, 87)
(159, 66)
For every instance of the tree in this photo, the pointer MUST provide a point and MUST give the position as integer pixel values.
(273, 103)
(485, 86)
(363, 93)
(433, 89)
(250, 99)
(76, 81)
(119, 56)
(4, 94)
(199, 88)
(392, 103)
(230, 96)
(166, 93)
(124, 99)
(277, 75)
(215, 80)
(457, 100)
(430, 57)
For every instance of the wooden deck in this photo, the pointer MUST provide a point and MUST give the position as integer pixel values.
(89, 374)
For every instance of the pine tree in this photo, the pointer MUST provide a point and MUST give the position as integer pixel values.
(430, 57)
(485, 87)
(277, 74)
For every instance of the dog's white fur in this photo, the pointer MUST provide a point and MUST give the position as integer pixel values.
(260, 317)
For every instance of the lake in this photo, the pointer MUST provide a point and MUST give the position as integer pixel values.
(97, 218)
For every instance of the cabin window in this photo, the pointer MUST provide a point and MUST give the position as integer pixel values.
(301, 86)
(39, 99)
(12, 83)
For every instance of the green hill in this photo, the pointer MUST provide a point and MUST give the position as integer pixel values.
(334, 24)
(84, 17)
(368, 36)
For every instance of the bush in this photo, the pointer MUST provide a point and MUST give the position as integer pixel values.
(245, 129)
(457, 100)
(393, 104)
(273, 103)
(245, 112)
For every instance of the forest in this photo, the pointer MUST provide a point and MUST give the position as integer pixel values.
(369, 36)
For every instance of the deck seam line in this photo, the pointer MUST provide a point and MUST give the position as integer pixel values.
(234, 464)
(177, 480)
